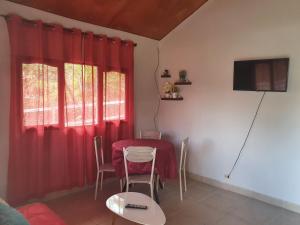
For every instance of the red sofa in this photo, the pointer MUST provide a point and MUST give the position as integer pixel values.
(40, 214)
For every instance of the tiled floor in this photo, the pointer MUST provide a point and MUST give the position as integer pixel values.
(202, 205)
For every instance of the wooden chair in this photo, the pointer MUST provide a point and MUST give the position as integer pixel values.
(182, 165)
(139, 154)
(150, 134)
(102, 167)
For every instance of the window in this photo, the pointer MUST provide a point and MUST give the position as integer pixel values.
(40, 94)
(81, 100)
(113, 96)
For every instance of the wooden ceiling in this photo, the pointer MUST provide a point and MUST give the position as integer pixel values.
(149, 18)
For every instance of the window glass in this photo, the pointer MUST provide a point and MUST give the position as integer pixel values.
(113, 96)
(81, 101)
(40, 94)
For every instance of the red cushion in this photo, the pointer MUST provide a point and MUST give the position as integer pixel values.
(40, 214)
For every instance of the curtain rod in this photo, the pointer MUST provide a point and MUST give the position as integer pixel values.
(64, 28)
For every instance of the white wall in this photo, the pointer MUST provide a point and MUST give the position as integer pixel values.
(215, 117)
(145, 62)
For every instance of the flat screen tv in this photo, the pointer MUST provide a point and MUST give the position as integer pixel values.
(261, 75)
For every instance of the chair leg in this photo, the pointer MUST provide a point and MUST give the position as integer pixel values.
(101, 180)
(157, 182)
(180, 185)
(121, 184)
(127, 186)
(184, 178)
(96, 188)
(151, 190)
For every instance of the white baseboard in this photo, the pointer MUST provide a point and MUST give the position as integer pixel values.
(248, 193)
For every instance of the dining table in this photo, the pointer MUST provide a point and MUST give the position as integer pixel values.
(165, 160)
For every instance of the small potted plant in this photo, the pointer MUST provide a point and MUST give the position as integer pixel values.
(182, 76)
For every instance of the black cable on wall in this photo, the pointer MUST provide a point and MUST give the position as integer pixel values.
(155, 117)
(247, 136)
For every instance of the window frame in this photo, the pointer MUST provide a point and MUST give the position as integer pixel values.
(97, 121)
(61, 93)
(104, 102)
(52, 63)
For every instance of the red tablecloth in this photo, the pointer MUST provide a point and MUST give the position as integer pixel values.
(165, 163)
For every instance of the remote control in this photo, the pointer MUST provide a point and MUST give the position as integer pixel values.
(133, 206)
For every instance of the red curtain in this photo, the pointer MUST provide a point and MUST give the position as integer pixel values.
(60, 98)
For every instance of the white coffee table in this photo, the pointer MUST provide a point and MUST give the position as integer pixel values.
(151, 216)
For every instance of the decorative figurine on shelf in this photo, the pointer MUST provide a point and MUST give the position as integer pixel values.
(170, 90)
(167, 89)
(166, 74)
(175, 91)
(183, 76)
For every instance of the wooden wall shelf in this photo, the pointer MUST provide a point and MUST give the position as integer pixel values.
(172, 99)
(183, 83)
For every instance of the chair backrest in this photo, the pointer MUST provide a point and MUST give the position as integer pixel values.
(98, 145)
(150, 134)
(139, 154)
(183, 153)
